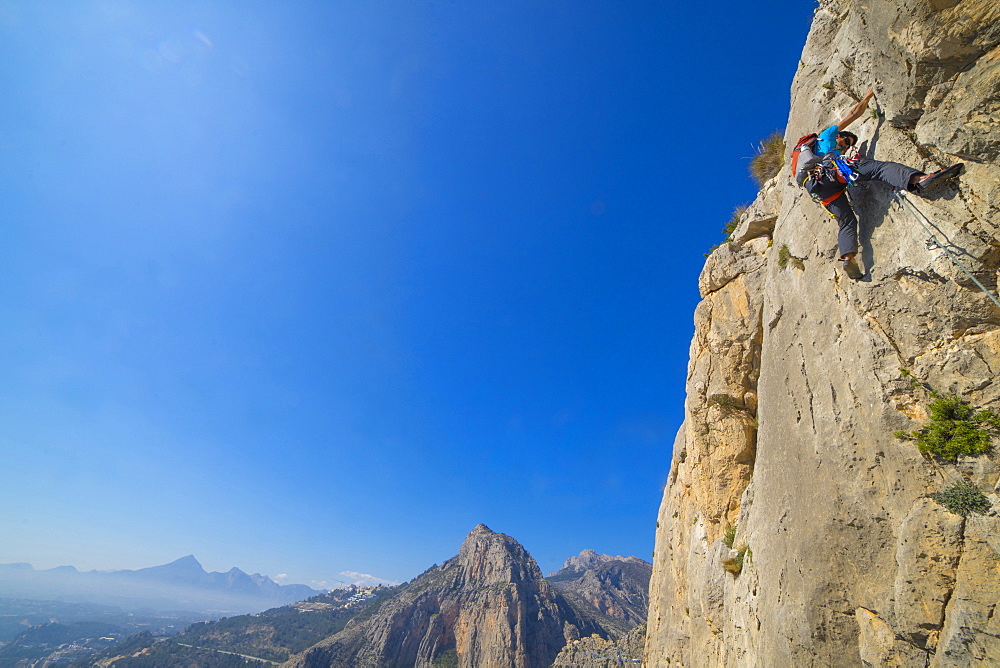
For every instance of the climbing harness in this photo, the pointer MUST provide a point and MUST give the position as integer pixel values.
(835, 169)
(905, 204)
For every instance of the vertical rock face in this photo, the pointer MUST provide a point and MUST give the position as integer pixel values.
(794, 387)
(488, 606)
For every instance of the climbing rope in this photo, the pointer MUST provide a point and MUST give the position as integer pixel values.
(905, 204)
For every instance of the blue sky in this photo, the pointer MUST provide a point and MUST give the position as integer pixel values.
(316, 287)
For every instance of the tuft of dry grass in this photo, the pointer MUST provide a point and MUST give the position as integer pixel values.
(734, 565)
(769, 160)
(725, 401)
(785, 257)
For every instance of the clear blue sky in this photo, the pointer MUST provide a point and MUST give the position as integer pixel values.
(316, 287)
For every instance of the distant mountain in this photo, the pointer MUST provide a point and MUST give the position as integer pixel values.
(180, 585)
(590, 560)
(187, 571)
(617, 587)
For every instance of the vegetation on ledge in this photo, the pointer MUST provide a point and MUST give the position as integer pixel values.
(734, 565)
(769, 160)
(955, 428)
(963, 498)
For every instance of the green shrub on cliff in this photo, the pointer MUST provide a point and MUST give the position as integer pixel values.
(734, 220)
(963, 498)
(785, 257)
(725, 401)
(955, 428)
(446, 659)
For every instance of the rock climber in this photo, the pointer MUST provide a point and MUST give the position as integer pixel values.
(825, 173)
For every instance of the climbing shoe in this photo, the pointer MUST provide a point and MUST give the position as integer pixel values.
(852, 269)
(938, 177)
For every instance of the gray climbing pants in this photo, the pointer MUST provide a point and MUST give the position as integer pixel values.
(825, 185)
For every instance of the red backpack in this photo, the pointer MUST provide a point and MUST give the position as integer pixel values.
(804, 142)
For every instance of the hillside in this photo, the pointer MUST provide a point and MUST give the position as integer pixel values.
(800, 379)
(270, 636)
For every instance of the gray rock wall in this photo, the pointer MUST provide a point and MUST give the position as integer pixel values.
(794, 388)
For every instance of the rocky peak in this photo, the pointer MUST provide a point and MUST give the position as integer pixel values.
(188, 564)
(586, 559)
(487, 558)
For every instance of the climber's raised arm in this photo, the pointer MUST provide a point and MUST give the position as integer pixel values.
(856, 111)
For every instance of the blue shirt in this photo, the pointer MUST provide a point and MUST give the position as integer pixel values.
(827, 141)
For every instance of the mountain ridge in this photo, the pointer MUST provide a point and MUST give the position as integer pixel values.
(182, 584)
(588, 559)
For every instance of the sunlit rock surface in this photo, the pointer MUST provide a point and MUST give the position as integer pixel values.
(794, 387)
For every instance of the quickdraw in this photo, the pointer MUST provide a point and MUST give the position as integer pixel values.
(847, 174)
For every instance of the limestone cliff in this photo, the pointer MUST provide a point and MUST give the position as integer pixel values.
(794, 387)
